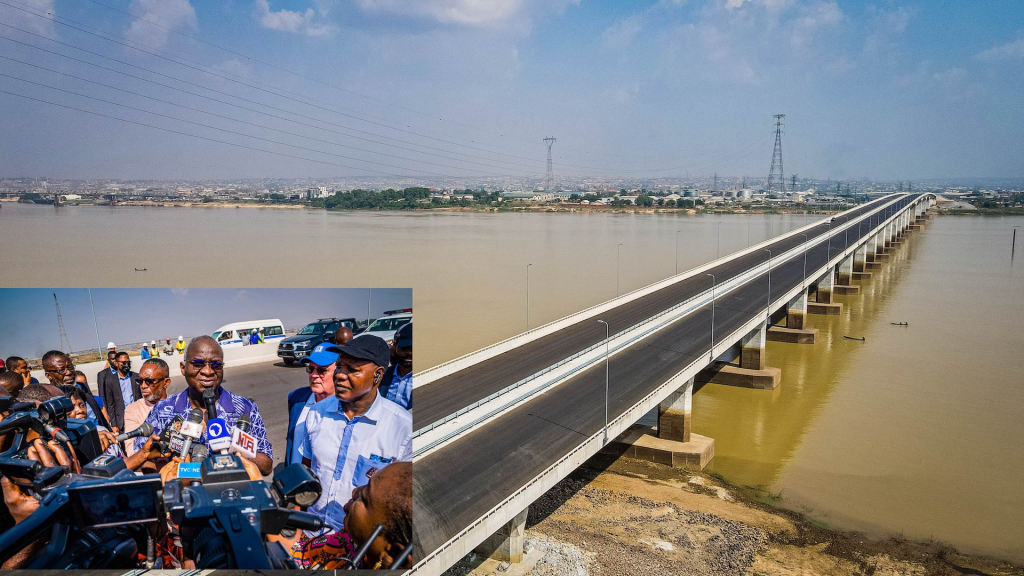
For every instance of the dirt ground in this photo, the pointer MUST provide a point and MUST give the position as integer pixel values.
(624, 516)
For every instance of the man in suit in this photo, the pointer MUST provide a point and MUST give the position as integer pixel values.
(320, 368)
(118, 388)
(60, 371)
(396, 385)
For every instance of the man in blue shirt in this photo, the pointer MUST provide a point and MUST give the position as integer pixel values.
(397, 382)
(320, 368)
(203, 367)
(354, 434)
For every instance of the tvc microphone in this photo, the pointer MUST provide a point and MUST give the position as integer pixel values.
(192, 430)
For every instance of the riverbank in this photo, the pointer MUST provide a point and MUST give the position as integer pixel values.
(622, 516)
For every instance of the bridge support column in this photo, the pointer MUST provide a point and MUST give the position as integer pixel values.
(673, 445)
(824, 304)
(506, 545)
(795, 331)
(873, 251)
(752, 372)
(674, 414)
(845, 278)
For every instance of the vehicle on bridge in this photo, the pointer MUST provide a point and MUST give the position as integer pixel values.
(297, 347)
(386, 326)
(236, 333)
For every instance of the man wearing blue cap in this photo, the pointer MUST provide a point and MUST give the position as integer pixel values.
(397, 382)
(357, 432)
(320, 368)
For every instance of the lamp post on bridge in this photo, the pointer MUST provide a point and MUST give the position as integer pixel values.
(677, 251)
(617, 252)
(806, 241)
(607, 332)
(528, 296)
(713, 282)
(768, 311)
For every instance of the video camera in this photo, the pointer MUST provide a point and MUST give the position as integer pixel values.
(100, 518)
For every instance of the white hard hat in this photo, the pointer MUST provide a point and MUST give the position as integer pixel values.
(111, 345)
(181, 337)
(152, 342)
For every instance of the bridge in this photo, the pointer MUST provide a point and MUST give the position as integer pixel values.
(497, 428)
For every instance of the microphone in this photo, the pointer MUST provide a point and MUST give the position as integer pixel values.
(199, 453)
(56, 433)
(241, 441)
(145, 430)
(243, 423)
(191, 429)
(218, 435)
(210, 401)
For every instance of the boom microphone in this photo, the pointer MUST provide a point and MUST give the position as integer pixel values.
(210, 401)
(145, 430)
(192, 430)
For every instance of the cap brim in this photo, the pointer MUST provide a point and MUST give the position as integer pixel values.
(322, 358)
(351, 351)
(404, 342)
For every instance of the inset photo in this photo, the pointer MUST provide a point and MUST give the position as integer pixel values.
(177, 428)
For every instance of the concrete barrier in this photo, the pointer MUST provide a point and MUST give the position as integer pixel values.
(233, 356)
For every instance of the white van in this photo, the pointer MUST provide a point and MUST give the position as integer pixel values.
(237, 333)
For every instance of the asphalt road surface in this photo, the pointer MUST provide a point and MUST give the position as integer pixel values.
(460, 482)
(267, 384)
(450, 393)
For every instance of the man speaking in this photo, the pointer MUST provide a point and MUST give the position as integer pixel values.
(203, 368)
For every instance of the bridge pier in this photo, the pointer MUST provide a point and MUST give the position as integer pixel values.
(824, 305)
(844, 286)
(795, 331)
(860, 264)
(674, 445)
(752, 372)
(506, 544)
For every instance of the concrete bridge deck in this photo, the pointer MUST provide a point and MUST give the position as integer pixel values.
(478, 481)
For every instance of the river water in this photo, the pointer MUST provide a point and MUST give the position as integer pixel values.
(917, 430)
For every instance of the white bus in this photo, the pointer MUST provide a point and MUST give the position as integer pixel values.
(237, 333)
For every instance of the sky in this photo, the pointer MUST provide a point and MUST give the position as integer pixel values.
(182, 89)
(127, 315)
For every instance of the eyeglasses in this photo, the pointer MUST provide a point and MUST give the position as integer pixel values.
(153, 381)
(64, 370)
(310, 369)
(200, 364)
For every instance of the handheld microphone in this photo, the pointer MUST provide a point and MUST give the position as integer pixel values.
(243, 423)
(145, 430)
(164, 444)
(191, 429)
(218, 435)
(210, 401)
(199, 453)
(241, 441)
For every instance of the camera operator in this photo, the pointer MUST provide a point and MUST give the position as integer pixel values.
(203, 368)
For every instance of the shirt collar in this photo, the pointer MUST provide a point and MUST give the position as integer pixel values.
(225, 404)
(373, 414)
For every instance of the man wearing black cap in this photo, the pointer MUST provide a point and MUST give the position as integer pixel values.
(396, 385)
(350, 436)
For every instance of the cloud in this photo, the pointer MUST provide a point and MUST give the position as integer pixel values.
(619, 35)
(168, 14)
(465, 12)
(291, 21)
(24, 19)
(815, 18)
(1009, 51)
(886, 25)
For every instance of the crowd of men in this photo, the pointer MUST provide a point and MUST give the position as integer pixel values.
(351, 426)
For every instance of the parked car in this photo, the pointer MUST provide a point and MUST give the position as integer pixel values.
(297, 347)
(386, 326)
(237, 333)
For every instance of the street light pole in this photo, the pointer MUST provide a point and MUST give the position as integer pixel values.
(677, 251)
(713, 282)
(806, 241)
(618, 251)
(528, 296)
(607, 333)
(768, 311)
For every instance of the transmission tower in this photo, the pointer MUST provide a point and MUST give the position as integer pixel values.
(792, 187)
(776, 179)
(550, 180)
(901, 186)
(65, 344)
